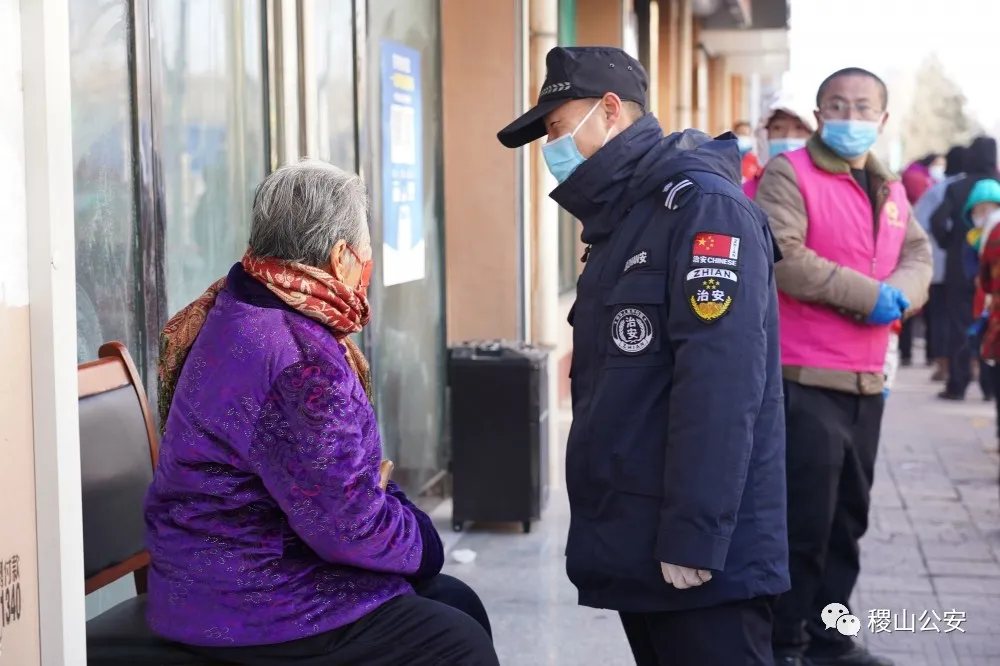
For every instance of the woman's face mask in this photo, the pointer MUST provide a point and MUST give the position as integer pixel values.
(366, 272)
(776, 147)
(563, 156)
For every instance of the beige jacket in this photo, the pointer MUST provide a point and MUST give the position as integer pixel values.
(806, 276)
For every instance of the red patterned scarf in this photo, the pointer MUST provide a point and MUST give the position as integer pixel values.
(310, 291)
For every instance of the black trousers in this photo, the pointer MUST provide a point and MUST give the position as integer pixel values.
(906, 341)
(960, 347)
(443, 624)
(831, 444)
(727, 635)
(936, 321)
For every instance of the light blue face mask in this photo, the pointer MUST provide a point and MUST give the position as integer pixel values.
(849, 138)
(745, 143)
(777, 146)
(562, 155)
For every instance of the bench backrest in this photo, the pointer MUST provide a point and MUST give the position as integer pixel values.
(118, 452)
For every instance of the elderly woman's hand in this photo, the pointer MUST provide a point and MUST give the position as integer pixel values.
(384, 470)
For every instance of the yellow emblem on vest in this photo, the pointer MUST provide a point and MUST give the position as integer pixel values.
(892, 214)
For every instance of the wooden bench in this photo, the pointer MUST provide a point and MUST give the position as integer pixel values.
(118, 452)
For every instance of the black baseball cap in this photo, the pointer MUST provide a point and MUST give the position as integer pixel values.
(578, 72)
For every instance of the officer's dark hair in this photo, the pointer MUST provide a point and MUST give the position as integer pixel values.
(853, 71)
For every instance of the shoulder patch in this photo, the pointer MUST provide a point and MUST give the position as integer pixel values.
(715, 249)
(640, 258)
(710, 291)
(674, 189)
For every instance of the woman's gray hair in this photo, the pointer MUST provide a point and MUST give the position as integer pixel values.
(301, 210)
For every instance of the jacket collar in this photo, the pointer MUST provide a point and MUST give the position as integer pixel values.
(249, 290)
(831, 162)
(592, 193)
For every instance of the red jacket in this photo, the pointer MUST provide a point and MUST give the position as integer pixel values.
(751, 166)
(916, 180)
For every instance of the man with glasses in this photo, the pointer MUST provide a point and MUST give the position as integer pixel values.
(855, 261)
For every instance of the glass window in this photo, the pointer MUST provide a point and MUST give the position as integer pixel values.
(407, 290)
(103, 194)
(212, 135)
(333, 45)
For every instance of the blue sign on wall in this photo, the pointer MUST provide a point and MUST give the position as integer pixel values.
(402, 165)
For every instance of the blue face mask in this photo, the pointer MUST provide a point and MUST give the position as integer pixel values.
(849, 138)
(777, 146)
(562, 155)
(745, 143)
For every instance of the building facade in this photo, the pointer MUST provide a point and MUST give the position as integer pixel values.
(133, 134)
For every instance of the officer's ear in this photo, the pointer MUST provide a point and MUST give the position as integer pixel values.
(613, 107)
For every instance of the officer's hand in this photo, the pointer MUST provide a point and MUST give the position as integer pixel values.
(682, 577)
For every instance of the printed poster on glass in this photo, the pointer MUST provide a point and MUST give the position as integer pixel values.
(402, 158)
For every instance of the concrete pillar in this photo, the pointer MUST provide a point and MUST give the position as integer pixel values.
(738, 105)
(543, 35)
(669, 53)
(685, 47)
(599, 23)
(701, 85)
(720, 95)
(653, 57)
(482, 207)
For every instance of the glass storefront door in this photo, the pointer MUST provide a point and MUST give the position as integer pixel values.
(403, 170)
(212, 133)
(169, 142)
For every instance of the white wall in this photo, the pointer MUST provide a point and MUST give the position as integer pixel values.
(19, 642)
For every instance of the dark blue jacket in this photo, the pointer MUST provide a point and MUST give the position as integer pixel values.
(677, 449)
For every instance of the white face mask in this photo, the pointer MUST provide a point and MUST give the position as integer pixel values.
(985, 220)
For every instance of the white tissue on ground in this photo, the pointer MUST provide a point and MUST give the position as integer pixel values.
(463, 555)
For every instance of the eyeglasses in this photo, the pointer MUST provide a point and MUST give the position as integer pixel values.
(839, 109)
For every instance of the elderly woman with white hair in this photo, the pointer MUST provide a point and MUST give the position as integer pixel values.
(274, 533)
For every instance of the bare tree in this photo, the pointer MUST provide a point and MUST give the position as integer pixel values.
(937, 118)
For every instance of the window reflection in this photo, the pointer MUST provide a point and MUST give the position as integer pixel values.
(333, 40)
(212, 136)
(103, 196)
(409, 342)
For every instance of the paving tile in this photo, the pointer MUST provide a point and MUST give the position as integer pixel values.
(933, 545)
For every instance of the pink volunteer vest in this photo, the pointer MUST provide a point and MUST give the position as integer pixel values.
(841, 229)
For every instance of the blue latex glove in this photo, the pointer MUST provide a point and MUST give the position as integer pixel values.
(885, 393)
(890, 306)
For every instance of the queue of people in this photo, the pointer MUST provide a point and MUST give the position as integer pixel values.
(727, 383)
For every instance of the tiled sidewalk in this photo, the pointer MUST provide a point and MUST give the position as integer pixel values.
(933, 545)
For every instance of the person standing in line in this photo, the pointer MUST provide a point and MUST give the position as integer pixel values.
(917, 179)
(749, 162)
(935, 318)
(783, 129)
(949, 228)
(984, 211)
(842, 282)
(675, 459)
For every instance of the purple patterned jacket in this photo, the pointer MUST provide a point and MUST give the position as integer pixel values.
(265, 522)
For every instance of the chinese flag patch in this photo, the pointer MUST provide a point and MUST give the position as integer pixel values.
(719, 246)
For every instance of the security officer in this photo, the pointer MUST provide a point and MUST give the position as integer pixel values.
(675, 460)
